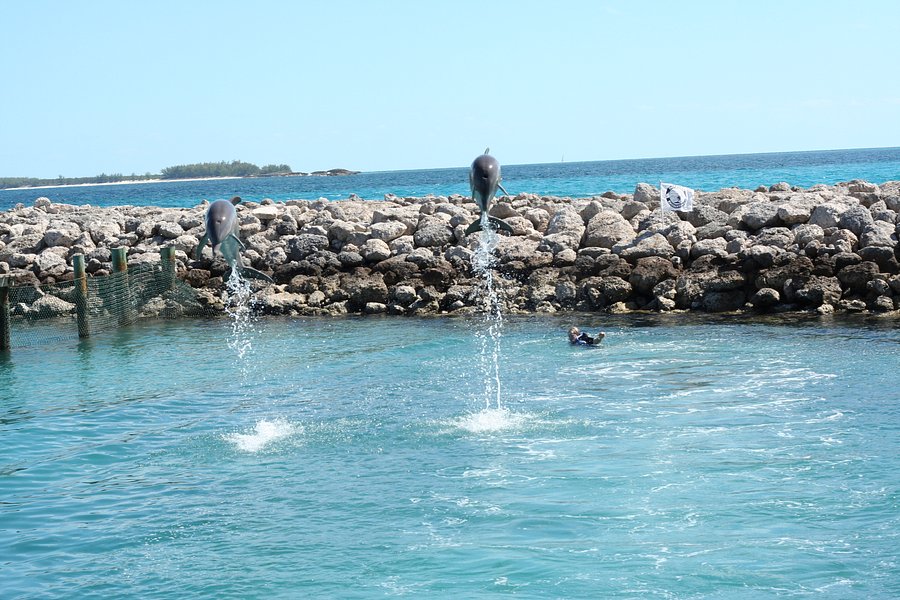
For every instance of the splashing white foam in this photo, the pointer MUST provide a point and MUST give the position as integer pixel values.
(491, 419)
(264, 433)
(239, 306)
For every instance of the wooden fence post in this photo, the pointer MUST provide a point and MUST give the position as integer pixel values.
(81, 296)
(120, 270)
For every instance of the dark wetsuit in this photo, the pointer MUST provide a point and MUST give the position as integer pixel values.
(585, 340)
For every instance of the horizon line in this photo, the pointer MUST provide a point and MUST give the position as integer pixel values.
(608, 160)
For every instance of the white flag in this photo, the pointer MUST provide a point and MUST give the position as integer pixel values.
(676, 197)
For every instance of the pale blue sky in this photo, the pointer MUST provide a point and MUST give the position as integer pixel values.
(91, 87)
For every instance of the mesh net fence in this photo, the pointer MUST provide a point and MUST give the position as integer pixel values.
(41, 314)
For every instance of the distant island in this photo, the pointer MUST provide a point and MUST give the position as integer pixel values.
(235, 168)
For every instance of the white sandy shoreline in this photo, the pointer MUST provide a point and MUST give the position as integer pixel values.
(47, 187)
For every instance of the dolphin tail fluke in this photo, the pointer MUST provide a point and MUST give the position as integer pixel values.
(203, 241)
(500, 225)
(254, 274)
(487, 150)
(494, 223)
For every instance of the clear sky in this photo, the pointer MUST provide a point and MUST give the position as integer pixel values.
(132, 87)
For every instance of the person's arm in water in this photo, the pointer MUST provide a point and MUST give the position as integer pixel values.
(584, 337)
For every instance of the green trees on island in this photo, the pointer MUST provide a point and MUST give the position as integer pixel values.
(14, 182)
(235, 168)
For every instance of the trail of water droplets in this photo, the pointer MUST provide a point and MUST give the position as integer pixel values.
(489, 302)
(239, 306)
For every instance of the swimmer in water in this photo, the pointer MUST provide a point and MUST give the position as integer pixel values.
(579, 338)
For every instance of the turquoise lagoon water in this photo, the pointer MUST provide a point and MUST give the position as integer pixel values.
(364, 457)
(580, 179)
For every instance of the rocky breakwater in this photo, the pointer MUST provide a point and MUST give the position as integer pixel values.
(824, 249)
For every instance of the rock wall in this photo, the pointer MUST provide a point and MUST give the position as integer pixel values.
(782, 248)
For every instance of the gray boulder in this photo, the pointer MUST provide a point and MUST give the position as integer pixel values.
(388, 231)
(606, 229)
(857, 219)
(780, 237)
(646, 194)
(827, 215)
(765, 298)
(798, 208)
(301, 246)
(375, 250)
(50, 264)
(813, 292)
(61, 234)
(855, 277)
(362, 288)
(649, 272)
(757, 215)
(716, 246)
(806, 233)
(51, 306)
(539, 218)
(433, 232)
(644, 246)
(170, 230)
(565, 229)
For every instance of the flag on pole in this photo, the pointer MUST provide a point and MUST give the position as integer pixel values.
(676, 197)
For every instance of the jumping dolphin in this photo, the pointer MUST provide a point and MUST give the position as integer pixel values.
(221, 233)
(484, 178)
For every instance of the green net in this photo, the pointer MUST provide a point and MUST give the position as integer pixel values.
(41, 314)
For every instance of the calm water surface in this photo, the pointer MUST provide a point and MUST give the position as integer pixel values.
(358, 458)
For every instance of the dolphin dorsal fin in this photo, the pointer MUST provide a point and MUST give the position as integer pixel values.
(236, 200)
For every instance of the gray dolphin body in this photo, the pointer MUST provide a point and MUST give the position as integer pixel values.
(221, 234)
(484, 179)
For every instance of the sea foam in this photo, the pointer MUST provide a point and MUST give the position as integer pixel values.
(264, 433)
(491, 419)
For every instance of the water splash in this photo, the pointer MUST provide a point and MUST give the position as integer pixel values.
(489, 301)
(239, 306)
(491, 419)
(264, 433)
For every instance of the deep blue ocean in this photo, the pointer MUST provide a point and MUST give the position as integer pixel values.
(581, 179)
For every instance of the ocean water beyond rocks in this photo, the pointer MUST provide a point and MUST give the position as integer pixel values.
(826, 248)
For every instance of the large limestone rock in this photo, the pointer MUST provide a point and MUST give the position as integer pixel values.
(646, 245)
(375, 250)
(827, 215)
(432, 233)
(50, 264)
(564, 230)
(760, 214)
(61, 233)
(388, 231)
(646, 194)
(301, 246)
(606, 229)
(857, 219)
(362, 288)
